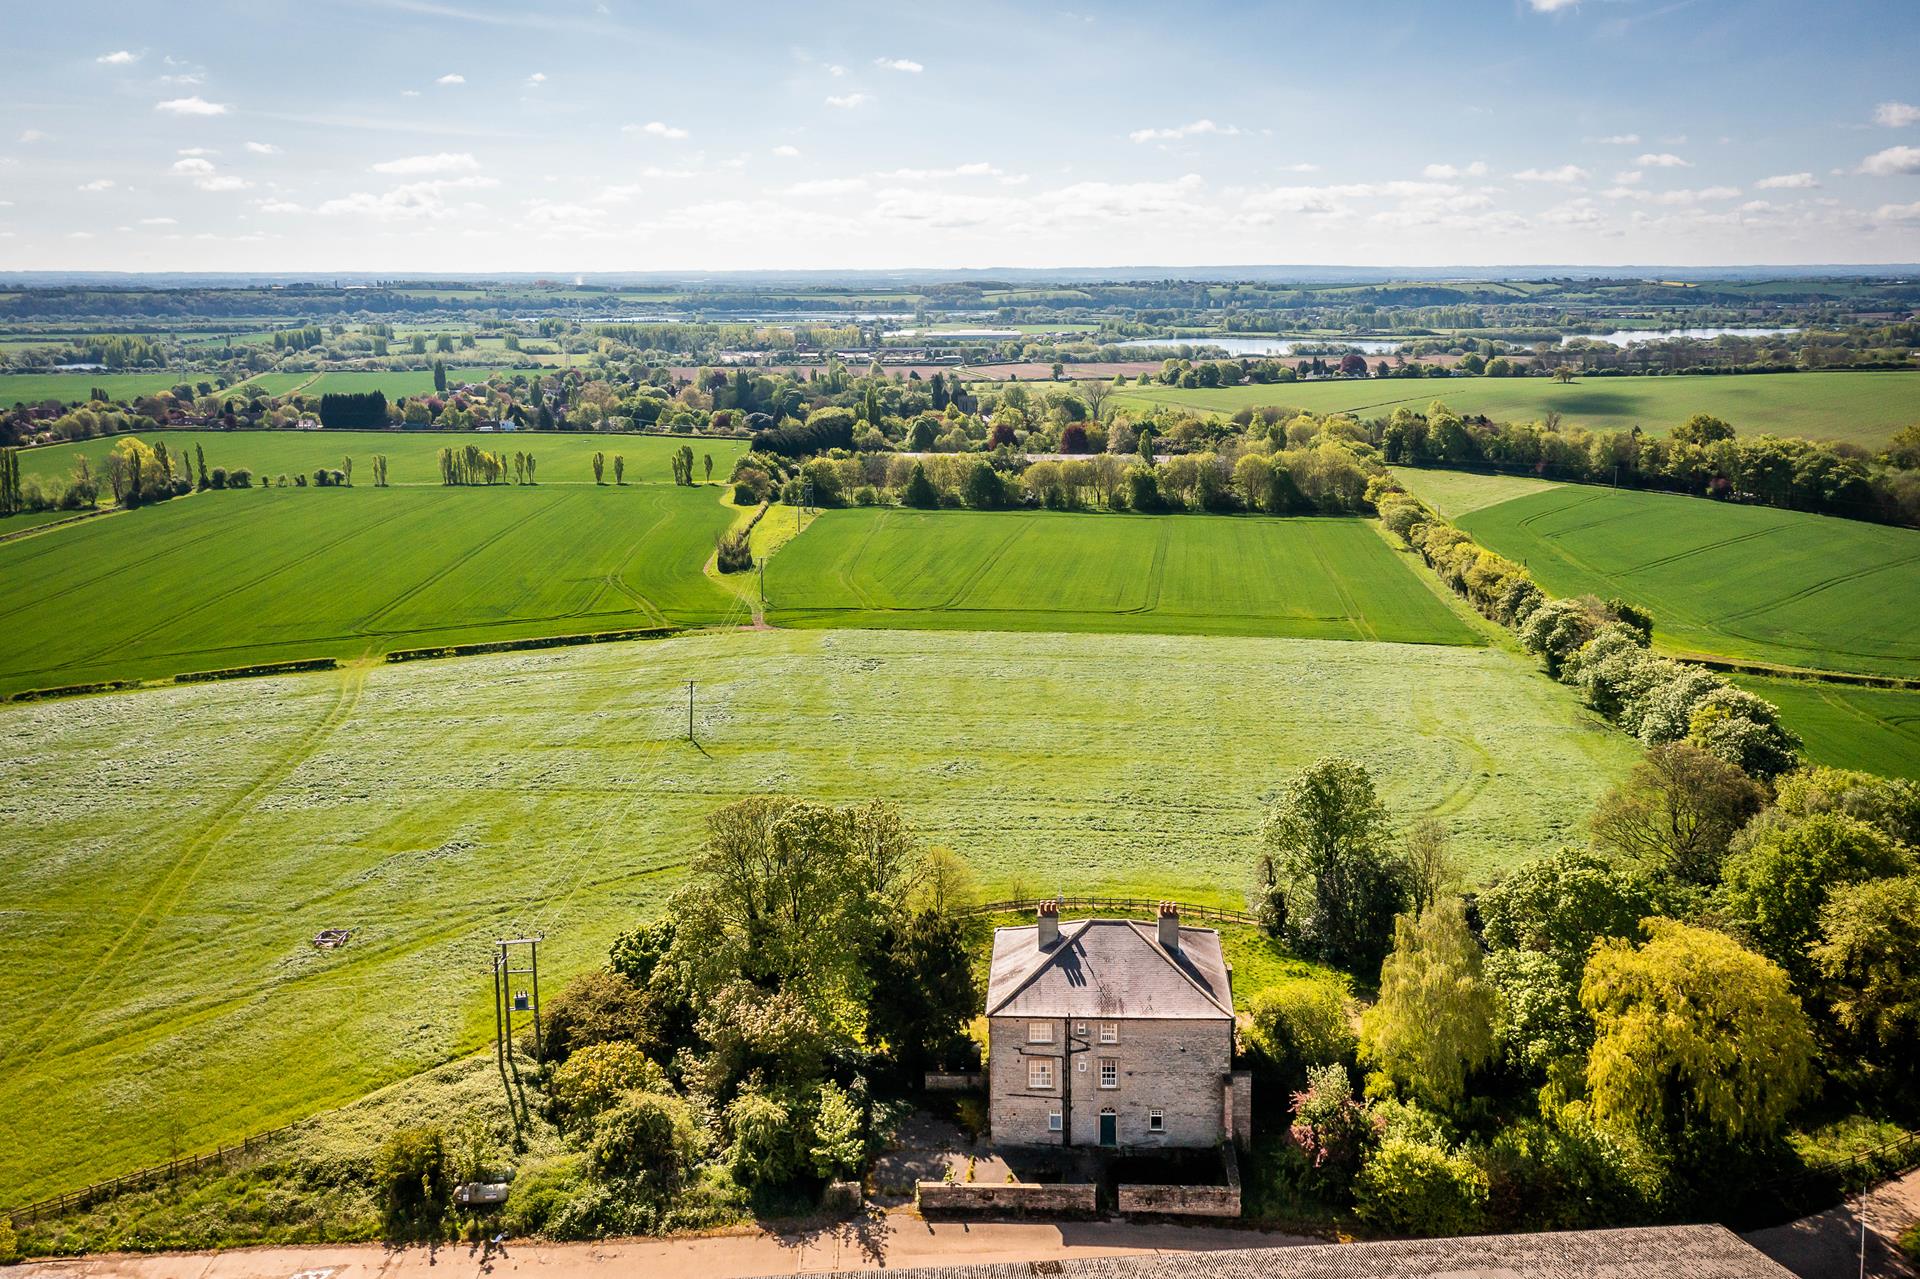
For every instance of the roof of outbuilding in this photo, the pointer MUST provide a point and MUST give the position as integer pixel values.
(1108, 968)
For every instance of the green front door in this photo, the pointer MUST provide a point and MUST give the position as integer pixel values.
(1109, 1128)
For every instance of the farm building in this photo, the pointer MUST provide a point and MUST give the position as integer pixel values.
(1114, 1033)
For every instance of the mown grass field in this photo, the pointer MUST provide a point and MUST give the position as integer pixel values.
(1862, 408)
(169, 852)
(413, 457)
(1451, 494)
(232, 578)
(1736, 581)
(31, 388)
(1051, 571)
(1876, 730)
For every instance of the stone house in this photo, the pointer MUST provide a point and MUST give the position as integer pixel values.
(1112, 1032)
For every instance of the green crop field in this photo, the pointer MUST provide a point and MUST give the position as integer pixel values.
(229, 579)
(1452, 494)
(169, 852)
(1862, 408)
(971, 570)
(413, 457)
(1876, 730)
(1738, 581)
(32, 388)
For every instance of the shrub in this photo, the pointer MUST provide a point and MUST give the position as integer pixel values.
(1330, 1127)
(1416, 1189)
(596, 1007)
(647, 1134)
(1297, 1026)
(414, 1180)
(239, 478)
(769, 1140)
(595, 1078)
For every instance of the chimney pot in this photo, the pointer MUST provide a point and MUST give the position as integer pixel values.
(1170, 925)
(1048, 919)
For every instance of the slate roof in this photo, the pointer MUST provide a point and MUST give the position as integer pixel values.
(1649, 1252)
(1108, 968)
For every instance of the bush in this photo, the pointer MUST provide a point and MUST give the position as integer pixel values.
(239, 478)
(596, 1007)
(1330, 1127)
(597, 1076)
(770, 1144)
(647, 1134)
(1416, 1189)
(1298, 1025)
(414, 1180)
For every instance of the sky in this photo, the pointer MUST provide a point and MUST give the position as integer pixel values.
(613, 135)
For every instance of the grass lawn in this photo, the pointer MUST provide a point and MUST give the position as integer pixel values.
(1051, 571)
(1863, 408)
(231, 578)
(169, 852)
(1736, 581)
(413, 457)
(1455, 493)
(1876, 730)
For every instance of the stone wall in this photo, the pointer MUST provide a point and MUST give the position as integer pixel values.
(1020, 1198)
(1240, 1098)
(942, 1082)
(1180, 1201)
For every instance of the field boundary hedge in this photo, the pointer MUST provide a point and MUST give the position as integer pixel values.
(539, 641)
(73, 690)
(259, 668)
(1812, 675)
(1092, 905)
(141, 1178)
(75, 518)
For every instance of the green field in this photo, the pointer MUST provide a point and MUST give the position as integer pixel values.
(1051, 571)
(229, 579)
(31, 388)
(1748, 582)
(1452, 494)
(1876, 730)
(413, 457)
(1862, 408)
(169, 852)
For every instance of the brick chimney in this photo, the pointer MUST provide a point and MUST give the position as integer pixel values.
(1048, 918)
(1170, 925)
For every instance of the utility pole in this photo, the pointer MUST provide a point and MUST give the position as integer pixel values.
(690, 710)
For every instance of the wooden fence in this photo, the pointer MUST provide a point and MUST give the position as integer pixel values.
(172, 1170)
(1148, 906)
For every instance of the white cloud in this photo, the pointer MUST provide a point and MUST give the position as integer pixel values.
(196, 151)
(848, 101)
(409, 93)
(1896, 115)
(158, 222)
(193, 166)
(79, 235)
(1628, 177)
(438, 162)
(1194, 129)
(786, 152)
(119, 58)
(1305, 166)
(1663, 160)
(899, 64)
(191, 106)
(1787, 182)
(836, 71)
(32, 135)
(223, 183)
(1898, 212)
(277, 206)
(415, 201)
(1552, 6)
(656, 129)
(98, 184)
(1619, 139)
(1564, 174)
(1679, 198)
(263, 148)
(977, 169)
(1448, 172)
(537, 79)
(1884, 164)
(451, 77)
(828, 186)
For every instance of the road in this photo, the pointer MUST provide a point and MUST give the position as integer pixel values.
(896, 1240)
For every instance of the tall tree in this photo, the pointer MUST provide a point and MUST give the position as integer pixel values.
(1433, 1022)
(1340, 881)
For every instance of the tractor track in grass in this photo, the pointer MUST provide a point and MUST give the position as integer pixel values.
(161, 900)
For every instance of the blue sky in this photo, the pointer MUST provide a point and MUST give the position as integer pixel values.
(574, 135)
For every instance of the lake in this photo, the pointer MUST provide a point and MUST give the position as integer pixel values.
(1271, 346)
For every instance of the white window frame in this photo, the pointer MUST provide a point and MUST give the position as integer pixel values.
(1156, 1121)
(1054, 1123)
(1109, 1072)
(1109, 1032)
(1039, 1032)
(1040, 1074)
(1080, 1029)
